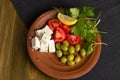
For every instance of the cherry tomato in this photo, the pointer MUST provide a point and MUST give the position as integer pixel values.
(66, 28)
(54, 23)
(59, 35)
(73, 39)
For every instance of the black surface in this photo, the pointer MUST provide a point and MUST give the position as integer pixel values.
(108, 66)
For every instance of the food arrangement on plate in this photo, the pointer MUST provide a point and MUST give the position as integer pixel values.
(69, 28)
(70, 36)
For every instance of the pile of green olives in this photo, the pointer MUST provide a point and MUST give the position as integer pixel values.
(69, 54)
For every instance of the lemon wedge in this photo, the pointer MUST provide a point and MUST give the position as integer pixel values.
(66, 19)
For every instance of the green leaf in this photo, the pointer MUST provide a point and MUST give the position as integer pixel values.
(89, 37)
(88, 11)
(74, 12)
(75, 30)
(67, 12)
(85, 27)
(82, 15)
(89, 49)
(79, 28)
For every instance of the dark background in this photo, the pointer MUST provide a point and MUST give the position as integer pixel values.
(108, 66)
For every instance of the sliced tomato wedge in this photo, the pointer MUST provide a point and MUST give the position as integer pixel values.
(54, 23)
(59, 35)
(73, 39)
(66, 28)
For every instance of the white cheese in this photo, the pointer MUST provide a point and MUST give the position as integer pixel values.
(46, 36)
(47, 30)
(44, 46)
(51, 46)
(42, 40)
(35, 43)
(39, 33)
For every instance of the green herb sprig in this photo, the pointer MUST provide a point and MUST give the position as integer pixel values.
(86, 25)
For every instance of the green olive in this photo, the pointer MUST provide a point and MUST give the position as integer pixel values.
(71, 49)
(70, 57)
(63, 59)
(71, 63)
(83, 52)
(59, 53)
(64, 48)
(77, 59)
(66, 43)
(65, 53)
(57, 45)
(77, 47)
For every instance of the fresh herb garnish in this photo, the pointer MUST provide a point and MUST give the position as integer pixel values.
(86, 25)
(89, 48)
(88, 11)
(74, 12)
(85, 29)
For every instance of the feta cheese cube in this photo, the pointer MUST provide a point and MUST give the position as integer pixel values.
(39, 33)
(42, 40)
(47, 30)
(51, 46)
(44, 46)
(46, 36)
(35, 43)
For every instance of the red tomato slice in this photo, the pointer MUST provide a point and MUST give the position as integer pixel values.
(54, 23)
(73, 39)
(59, 35)
(66, 28)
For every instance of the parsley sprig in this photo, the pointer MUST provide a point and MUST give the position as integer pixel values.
(86, 24)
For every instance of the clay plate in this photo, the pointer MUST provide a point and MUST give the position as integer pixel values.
(48, 62)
